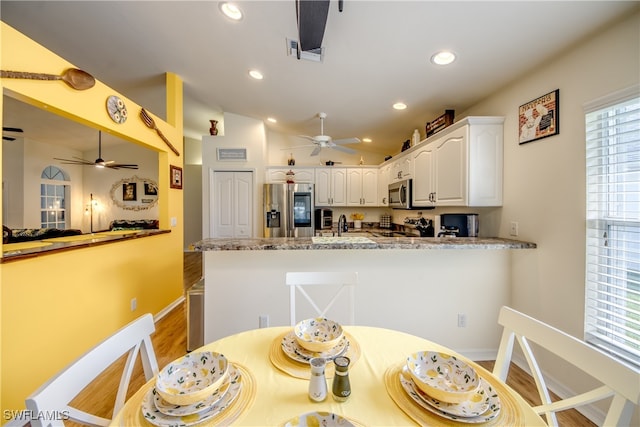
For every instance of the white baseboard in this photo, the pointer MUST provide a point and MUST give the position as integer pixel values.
(593, 413)
(477, 354)
(168, 309)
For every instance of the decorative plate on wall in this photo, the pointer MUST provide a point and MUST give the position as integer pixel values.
(117, 110)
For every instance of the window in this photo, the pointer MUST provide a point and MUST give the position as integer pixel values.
(53, 196)
(612, 306)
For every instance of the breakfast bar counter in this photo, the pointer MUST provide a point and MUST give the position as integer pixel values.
(447, 289)
(357, 241)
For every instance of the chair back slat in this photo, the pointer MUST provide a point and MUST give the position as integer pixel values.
(54, 396)
(344, 281)
(616, 378)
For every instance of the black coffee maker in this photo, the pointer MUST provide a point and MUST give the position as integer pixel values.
(458, 225)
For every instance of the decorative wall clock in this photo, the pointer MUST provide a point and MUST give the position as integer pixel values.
(117, 110)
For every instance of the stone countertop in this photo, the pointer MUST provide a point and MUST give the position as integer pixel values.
(306, 243)
(57, 245)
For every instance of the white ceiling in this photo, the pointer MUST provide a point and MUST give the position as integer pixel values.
(376, 53)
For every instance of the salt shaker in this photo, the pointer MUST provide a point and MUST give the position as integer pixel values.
(318, 382)
(341, 389)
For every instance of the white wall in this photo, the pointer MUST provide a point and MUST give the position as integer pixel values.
(100, 182)
(25, 160)
(544, 181)
(239, 132)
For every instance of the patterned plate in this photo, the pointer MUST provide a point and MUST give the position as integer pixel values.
(493, 401)
(292, 349)
(182, 410)
(312, 419)
(157, 418)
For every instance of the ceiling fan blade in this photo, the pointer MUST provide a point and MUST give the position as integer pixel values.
(8, 129)
(310, 138)
(346, 141)
(8, 138)
(75, 161)
(121, 166)
(316, 151)
(344, 149)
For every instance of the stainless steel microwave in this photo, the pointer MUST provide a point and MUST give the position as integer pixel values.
(400, 194)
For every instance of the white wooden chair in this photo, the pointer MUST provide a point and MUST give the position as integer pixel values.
(618, 380)
(345, 283)
(52, 399)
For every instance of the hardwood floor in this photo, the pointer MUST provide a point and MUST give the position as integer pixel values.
(170, 342)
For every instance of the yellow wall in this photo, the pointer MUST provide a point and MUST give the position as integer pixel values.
(55, 307)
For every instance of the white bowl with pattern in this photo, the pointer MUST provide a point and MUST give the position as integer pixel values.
(192, 378)
(443, 376)
(318, 334)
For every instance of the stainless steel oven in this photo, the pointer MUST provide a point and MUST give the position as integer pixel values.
(323, 219)
(400, 194)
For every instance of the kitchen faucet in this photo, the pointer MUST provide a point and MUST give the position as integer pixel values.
(342, 224)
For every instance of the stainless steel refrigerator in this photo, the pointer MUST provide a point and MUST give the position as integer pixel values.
(288, 210)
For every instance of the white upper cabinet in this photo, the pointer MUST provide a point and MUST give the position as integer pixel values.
(401, 169)
(331, 187)
(462, 166)
(362, 186)
(279, 174)
(383, 185)
(423, 187)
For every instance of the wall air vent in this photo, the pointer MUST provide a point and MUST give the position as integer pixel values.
(315, 55)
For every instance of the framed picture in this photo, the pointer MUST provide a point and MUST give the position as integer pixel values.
(539, 118)
(175, 177)
(129, 191)
(150, 189)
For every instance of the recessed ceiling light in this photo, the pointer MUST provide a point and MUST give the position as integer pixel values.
(272, 120)
(256, 74)
(443, 58)
(231, 11)
(366, 139)
(399, 105)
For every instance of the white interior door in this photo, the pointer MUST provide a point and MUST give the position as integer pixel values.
(232, 201)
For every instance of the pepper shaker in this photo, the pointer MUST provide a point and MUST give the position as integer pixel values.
(318, 382)
(341, 388)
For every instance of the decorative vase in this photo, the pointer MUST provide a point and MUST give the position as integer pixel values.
(357, 223)
(213, 130)
(291, 161)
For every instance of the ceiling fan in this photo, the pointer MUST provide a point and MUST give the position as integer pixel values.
(10, 130)
(325, 141)
(99, 163)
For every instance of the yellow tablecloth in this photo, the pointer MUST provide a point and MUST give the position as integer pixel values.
(280, 397)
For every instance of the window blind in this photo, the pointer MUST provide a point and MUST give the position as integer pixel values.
(612, 297)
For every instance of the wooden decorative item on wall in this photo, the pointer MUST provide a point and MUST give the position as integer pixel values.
(440, 123)
(175, 177)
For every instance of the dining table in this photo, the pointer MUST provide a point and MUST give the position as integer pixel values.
(273, 387)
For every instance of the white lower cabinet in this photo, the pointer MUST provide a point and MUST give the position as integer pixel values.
(461, 167)
(331, 187)
(362, 186)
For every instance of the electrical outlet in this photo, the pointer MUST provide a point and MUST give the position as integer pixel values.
(134, 304)
(514, 228)
(263, 321)
(462, 320)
